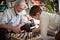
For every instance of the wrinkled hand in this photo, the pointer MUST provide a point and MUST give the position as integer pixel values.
(16, 30)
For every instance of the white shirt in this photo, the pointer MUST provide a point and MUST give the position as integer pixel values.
(48, 21)
(36, 21)
(10, 17)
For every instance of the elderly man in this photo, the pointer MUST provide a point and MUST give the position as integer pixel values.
(12, 18)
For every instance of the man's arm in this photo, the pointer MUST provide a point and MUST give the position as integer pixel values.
(5, 26)
(44, 22)
(4, 22)
(12, 28)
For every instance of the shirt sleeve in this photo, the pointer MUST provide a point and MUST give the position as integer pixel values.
(5, 17)
(23, 19)
(44, 22)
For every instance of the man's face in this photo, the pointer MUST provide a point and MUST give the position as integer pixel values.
(20, 8)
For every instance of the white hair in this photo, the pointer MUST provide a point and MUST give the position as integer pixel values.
(20, 2)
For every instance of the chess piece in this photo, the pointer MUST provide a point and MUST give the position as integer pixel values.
(27, 26)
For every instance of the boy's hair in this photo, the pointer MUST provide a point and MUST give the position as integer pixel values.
(34, 10)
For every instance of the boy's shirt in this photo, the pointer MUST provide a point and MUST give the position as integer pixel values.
(48, 21)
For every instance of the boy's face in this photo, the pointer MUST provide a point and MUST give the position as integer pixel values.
(37, 15)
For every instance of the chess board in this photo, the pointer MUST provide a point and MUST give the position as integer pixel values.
(23, 36)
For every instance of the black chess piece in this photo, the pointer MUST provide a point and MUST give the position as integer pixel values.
(27, 26)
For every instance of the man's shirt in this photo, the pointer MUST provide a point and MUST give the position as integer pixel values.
(9, 17)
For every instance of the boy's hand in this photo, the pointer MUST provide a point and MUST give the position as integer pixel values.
(36, 30)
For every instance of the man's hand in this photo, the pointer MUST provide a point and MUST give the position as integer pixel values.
(16, 30)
